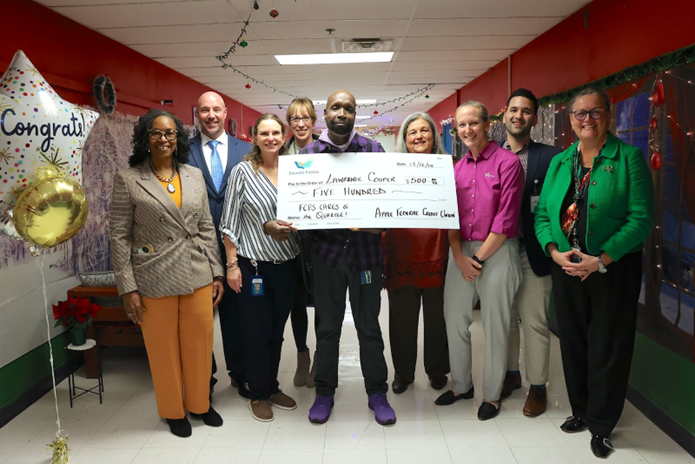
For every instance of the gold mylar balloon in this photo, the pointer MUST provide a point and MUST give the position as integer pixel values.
(48, 172)
(50, 212)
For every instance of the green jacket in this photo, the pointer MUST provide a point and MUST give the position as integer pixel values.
(620, 201)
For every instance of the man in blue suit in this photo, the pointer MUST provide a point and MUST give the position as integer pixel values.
(215, 152)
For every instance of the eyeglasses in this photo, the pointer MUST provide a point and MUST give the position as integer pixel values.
(595, 114)
(156, 134)
(295, 120)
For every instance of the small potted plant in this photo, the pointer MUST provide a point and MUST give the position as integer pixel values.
(75, 314)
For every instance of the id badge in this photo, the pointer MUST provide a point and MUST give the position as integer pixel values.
(534, 202)
(366, 277)
(257, 286)
(575, 258)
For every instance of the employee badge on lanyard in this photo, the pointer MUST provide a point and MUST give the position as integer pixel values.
(256, 281)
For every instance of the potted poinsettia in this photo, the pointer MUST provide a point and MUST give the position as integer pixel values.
(75, 314)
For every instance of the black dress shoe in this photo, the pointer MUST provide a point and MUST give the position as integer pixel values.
(180, 427)
(449, 397)
(438, 381)
(210, 418)
(573, 424)
(512, 381)
(488, 411)
(242, 387)
(601, 446)
(399, 384)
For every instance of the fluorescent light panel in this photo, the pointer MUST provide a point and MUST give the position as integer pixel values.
(335, 58)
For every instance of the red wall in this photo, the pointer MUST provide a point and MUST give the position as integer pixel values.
(444, 109)
(70, 56)
(619, 33)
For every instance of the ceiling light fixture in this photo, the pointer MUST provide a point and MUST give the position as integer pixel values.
(335, 58)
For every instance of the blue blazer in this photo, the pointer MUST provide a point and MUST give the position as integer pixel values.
(237, 150)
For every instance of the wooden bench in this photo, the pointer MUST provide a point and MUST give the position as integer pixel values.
(111, 326)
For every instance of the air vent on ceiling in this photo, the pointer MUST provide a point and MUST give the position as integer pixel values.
(361, 45)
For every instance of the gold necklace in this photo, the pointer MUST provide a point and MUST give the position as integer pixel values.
(170, 186)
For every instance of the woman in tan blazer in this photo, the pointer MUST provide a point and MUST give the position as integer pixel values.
(168, 266)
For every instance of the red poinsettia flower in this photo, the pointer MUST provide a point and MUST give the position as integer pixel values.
(73, 311)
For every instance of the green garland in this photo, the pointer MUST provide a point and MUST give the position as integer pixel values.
(670, 60)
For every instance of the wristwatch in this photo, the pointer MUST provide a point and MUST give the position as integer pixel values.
(477, 260)
(601, 268)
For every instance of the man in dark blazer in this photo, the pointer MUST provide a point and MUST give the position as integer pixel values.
(533, 296)
(215, 152)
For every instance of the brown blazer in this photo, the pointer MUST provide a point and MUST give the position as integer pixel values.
(186, 255)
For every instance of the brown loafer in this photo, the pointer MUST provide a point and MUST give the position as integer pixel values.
(512, 381)
(536, 402)
(261, 410)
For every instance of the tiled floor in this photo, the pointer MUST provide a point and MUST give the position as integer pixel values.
(126, 428)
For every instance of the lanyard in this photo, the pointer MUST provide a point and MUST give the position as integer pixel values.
(571, 216)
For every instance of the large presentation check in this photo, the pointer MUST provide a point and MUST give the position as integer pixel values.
(367, 190)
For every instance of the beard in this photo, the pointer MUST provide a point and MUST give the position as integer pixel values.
(340, 129)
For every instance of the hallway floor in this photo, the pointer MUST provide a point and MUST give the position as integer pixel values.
(126, 428)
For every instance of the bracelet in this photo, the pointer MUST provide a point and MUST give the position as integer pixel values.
(233, 262)
(477, 260)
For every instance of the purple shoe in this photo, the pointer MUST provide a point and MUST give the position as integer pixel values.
(383, 412)
(321, 410)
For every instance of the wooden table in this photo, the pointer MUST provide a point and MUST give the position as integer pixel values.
(111, 326)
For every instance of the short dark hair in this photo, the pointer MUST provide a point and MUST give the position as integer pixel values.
(525, 93)
(141, 138)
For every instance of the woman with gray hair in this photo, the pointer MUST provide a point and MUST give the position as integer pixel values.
(414, 267)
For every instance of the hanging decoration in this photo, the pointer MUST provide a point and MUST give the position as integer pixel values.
(417, 92)
(239, 41)
(384, 128)
(404, 101)
(248, 86)
(274, 13)
(375, 112)
(104, 94)
(670, 60)
(658, 99)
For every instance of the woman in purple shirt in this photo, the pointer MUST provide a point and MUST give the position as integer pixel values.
(484, 262)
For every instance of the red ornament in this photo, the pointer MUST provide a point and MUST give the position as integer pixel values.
(656, 160)
(654, 124)
(274, 13)
(659, 96)
(375, 112)
(248, 86)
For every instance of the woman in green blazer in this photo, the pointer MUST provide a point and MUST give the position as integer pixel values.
(595, 211)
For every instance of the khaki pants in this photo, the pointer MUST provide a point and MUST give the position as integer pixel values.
(530, 305)
(495, 287)
(178, 333)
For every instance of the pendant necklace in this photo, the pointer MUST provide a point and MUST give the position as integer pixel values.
(170, 186)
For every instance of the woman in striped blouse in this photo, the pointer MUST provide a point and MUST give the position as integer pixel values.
(262, 263)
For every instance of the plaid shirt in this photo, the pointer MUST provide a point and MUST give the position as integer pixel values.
(361, 249)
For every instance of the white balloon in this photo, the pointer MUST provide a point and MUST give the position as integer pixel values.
(37, 128)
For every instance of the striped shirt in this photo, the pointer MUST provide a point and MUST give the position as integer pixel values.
(250, 202)
(361, 249)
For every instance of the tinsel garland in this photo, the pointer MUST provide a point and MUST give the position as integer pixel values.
(674, 59)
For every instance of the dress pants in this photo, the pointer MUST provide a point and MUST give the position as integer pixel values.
(530, 305)
(596, 321)
(232, 335)
(495, 287)
(330, 285)
(178, 333)
(404, 318)
(263, 321)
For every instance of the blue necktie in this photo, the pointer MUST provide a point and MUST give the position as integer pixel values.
(216, 162)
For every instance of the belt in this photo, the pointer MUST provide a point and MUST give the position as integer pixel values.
(254, 262)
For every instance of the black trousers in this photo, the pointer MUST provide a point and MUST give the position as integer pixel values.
(596, 321)
(330, 285)
(263, 321)
(300, 317)
(232, 334)
(404, 318)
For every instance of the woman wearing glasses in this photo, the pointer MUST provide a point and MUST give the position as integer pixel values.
(301, 116)
(168, 266)
(595, 211)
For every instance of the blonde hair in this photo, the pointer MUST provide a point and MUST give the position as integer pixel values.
(475, 104)
(299, 104)
(254, 156)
